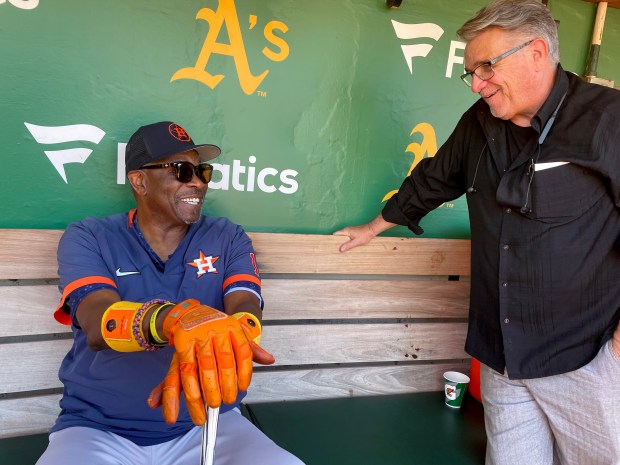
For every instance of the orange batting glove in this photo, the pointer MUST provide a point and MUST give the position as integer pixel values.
(212, 361)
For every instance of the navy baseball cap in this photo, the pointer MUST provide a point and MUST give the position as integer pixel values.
(160, 140)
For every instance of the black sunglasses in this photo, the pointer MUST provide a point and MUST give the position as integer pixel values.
(185, 170)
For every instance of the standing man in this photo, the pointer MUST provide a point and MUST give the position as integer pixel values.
(538, 157)
(161, 294)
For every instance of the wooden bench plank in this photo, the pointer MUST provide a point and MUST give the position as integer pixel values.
(348, 382)
(35, 251)
(312, 253)
(31, 366)
(28, 309)
(31, 415)
(355, 343)
(345, 299)
(34, 365)
(28, 253)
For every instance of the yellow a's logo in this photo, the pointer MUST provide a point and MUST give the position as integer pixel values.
(428, 145)
(227, 14)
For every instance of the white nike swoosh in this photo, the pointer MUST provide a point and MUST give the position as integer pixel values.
(546, 166)
(125, 273)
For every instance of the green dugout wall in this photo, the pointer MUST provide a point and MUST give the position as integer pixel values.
(321, 107)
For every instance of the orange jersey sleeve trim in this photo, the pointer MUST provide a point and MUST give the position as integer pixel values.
(131, 217)
(241, 277)
(60, 315)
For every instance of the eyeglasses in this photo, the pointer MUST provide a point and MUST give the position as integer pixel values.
(185, 170)
(485, 71)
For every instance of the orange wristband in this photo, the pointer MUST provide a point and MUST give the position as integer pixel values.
(116, 326)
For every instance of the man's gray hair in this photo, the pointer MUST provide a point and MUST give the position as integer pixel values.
(525, 17)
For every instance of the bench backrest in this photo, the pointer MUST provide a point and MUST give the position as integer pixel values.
(386, 318)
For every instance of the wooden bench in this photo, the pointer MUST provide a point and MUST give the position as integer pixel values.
(361, 340)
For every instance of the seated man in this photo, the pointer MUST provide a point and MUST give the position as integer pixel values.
(161, 300)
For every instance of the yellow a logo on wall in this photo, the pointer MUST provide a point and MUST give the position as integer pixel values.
(227, 14)
(428, 145)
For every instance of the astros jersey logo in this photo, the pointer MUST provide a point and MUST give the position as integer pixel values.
(204, 264)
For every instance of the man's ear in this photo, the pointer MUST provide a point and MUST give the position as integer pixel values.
(540, 53)
(138, 182)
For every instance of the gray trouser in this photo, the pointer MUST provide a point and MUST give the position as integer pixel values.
(238, 442)
(568, 419)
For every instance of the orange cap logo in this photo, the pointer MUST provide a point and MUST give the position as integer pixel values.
(178, 132)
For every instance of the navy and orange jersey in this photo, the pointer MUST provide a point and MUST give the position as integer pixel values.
(107, 389)
(214, 258)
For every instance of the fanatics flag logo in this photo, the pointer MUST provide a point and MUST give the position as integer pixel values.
(60, 134)
(416, 31)
(204, 264)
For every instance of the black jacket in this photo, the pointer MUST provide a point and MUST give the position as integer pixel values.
(545, 222)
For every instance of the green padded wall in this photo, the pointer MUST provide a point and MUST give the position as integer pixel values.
(321, 107)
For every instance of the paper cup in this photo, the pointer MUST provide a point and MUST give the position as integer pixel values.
(455, 385)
